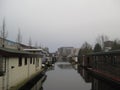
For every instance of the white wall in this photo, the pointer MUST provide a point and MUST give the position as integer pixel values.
(18, 74)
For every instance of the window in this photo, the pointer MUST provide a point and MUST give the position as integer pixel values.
(114, 60)
(25, 60)
(96, 59)
(88, 60)
(33, 60)
(20, 61)
(105, 59)
(30, 60)
(37, 62)
(2, 65)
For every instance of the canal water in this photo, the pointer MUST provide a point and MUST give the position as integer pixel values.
(64, 76)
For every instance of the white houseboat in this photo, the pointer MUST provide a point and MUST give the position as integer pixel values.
(18, 67)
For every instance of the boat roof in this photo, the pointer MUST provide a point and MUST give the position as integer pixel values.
(37, 50)
(114, 52)
(13, 53)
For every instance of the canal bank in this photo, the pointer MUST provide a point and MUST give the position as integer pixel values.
(63, 76)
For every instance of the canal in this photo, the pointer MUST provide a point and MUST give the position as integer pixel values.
(67, 76)
(64, 76)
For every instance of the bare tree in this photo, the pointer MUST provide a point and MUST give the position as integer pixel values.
(36, 45)
(30, 42)
(86, 48)
(4, 33)
(40, 45)
(19, 39)
(101, 39)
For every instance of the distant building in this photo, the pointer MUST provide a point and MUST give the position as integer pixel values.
(75, 54)
(65, 51)
(108, 45)
(76, 51)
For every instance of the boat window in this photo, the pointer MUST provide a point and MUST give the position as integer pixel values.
(37, 62)
(31, 60)
(25, 60)
(114, 60)
(20, 61)
(2, 65)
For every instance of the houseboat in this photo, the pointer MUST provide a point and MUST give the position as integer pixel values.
(18, 67)
(103, 65)
(85, 61)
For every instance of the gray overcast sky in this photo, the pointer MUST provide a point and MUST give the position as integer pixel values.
(56, 23)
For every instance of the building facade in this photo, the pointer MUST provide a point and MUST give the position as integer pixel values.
(65, 51)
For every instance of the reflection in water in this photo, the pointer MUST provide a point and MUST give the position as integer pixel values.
(38, 85)
(85, 74)
(75, 66)
(50, 68)
(64, 77)
(65, 66)
(62, 59)
(97, 82)
(35, 84)
(101, 84)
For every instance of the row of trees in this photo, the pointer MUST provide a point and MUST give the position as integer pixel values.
(99, 46)
(4, 35)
